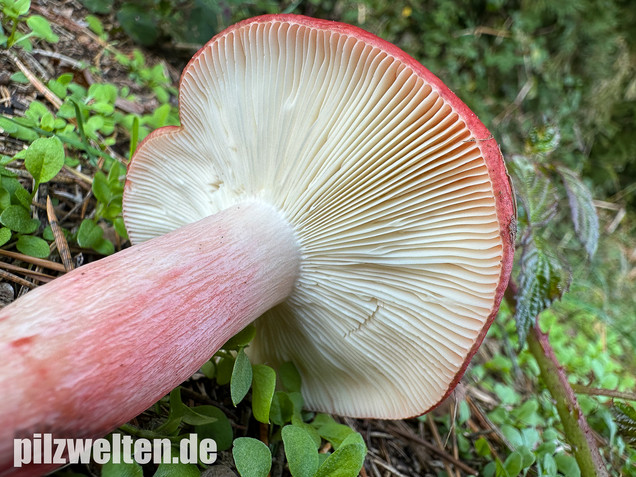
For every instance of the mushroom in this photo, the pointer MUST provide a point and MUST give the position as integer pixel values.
(322, 184)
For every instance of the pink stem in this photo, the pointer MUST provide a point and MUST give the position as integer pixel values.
(93, 349)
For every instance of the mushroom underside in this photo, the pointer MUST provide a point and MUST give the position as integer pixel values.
(386, 183)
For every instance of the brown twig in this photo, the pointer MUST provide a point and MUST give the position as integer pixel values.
(387, 467)
(440, 452)
(454, 434)
(42, 277)
(438, 441)
(35, 81)
(16, 279)
(484, 30)
(40, 262)
(60, 239)
(487, 423)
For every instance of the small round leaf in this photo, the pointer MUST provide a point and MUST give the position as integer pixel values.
(301, 451)
(18, 219)
(44, 159)
(42, 28)
(5, 235)
(219, 430)
(252, 457)
(33, 246)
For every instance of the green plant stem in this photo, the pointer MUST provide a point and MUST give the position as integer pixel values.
(575, 427)
(22, 38)
(146, 434)
(577, 432)
(11, 38)
(66, 140)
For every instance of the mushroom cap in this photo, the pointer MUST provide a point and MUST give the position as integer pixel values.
(397, 193)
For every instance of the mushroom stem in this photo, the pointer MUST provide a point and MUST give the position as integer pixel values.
(94, 348)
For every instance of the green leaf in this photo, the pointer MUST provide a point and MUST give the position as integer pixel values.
(202, 22)
(5, 235)
(252, 457)
(177, 470)
(33, 246)
(18, 77)
(241, 339)
(95, 24)
(47, 122)
(224, 370)
(208, 369)
(15, 8)
(44, 159)
(104, 247)
(282, 409)
(134, 136)
(17, 130)
(567, 465)
(313, 433)
(290, 377)
(263, 387)
(543, 280)
(583, 211)
(103, 93)
(23, 40)
(90, 235)
(298, 402)
(241, 377)
(527, 412)
(199, 415)
(98, 6)
(59, 88)
(219, 430)
(301, 451)
(139, 23)
(535, 191)
(42, 28)
(625, 416)
(100, 187)
(5, 199)
(120, 227)
(544, 140)
(335, 433)
(23, 197)
(482, 447)
(18, 219)
(549, 465)
(109, 469)
(347, 460)
(527, 456)
(10, 184)
(514, 464)
(177, 408)
(37, 110)
(94, 124)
